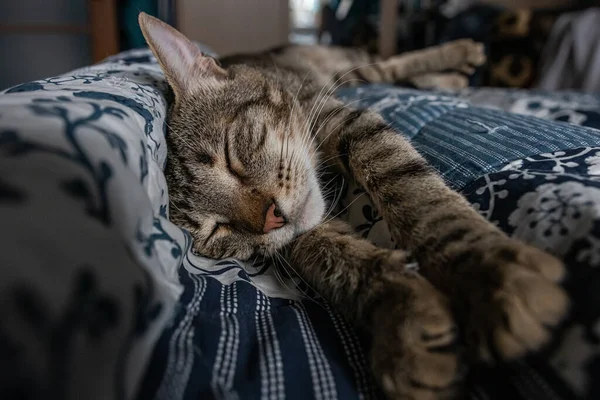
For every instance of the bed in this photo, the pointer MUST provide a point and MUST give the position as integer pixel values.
(102, 298)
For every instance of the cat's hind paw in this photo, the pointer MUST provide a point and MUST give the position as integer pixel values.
(441, 81)
(473, 52)
(468, 55)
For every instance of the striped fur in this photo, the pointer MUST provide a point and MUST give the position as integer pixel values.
(248, 134)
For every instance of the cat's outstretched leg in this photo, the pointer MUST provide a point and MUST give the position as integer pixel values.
(503, 292)
(460, 55)
(456, 57)
(413, 354)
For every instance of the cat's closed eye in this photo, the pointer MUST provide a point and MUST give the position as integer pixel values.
(219, 227)
(234, 168)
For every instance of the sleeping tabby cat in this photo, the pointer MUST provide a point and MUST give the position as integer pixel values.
(244, 145)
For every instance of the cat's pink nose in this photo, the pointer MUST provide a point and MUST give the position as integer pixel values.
(274, 219)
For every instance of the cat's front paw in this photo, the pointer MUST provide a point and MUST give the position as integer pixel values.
(413, 354)
(509, 299)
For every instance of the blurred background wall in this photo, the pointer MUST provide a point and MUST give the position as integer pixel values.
(233, 26)
(35, 54)
(41, 38)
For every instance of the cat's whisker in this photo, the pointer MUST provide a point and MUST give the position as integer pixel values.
(301, 279)
(277, 273)
(334, 195)
(333, 203)
(312, 109)
(337, 197)
(320, 98)
(325, 219)
(172, 205)
(179, 137)
(337, 80)
(295, 98)
(314, 136)
(324, 160)
(328, 183)
(334, 84)
(287, 145)
(330, 209)
(322, 167)
(281, 152)
(331, 193)
(280, 258)
(320, 104)
(281, 281)
(280, 278)
(339, 125)
(328, 187)
(337, 111)
(330, 133)
(253, 262)
(288, 133)
(324, 102)
(324, 123)
(343, 209)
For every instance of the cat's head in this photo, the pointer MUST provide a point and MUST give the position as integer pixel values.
(241, 166)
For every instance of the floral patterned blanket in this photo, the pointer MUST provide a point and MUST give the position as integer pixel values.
(521, 160)
(101, 297)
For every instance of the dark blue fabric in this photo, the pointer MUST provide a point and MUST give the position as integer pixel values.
(563, 219)
(464, 142)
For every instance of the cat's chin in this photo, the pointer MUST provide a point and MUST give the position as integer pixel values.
(312, 213)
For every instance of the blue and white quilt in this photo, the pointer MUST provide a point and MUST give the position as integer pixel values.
(101, 297)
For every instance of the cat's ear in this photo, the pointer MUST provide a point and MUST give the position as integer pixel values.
(184, 65)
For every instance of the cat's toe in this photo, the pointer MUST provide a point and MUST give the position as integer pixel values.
(546, 265)
(466, 69)
(522, 306)
(468, 51)
(476, 54)
(414, 353)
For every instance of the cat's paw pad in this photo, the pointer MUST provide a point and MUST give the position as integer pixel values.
(413, 354)
(517, 304)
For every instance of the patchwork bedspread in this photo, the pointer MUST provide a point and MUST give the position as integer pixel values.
(100, 290)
